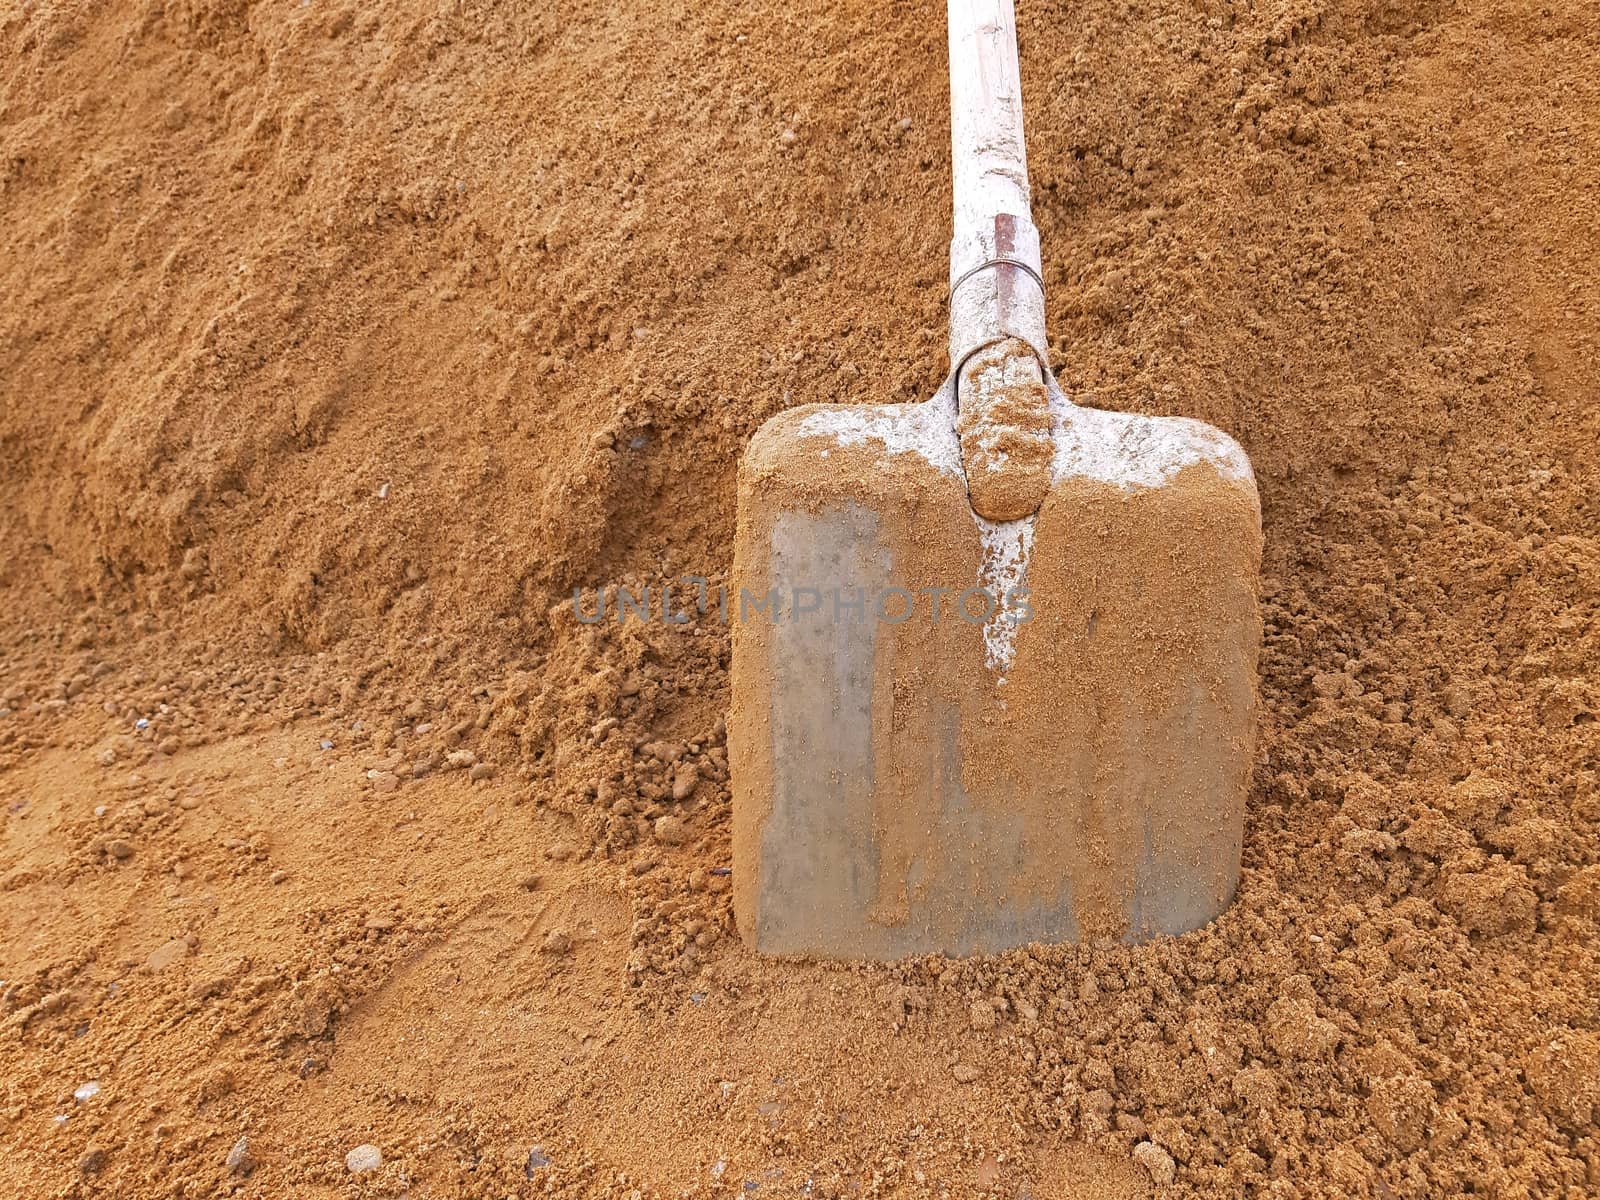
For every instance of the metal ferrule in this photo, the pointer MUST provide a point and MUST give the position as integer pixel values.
(996, 290)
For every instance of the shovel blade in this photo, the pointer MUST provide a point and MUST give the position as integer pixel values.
(951, 736)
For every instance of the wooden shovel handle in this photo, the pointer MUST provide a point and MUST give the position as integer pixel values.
(996, 280)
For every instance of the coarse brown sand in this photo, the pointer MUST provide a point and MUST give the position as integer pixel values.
(341, 342)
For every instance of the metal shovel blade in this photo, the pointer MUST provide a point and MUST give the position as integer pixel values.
(952, 735)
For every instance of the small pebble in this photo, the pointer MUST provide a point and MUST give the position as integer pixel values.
(1156, 1161)
(239, 1160)
(671, 830)
(481, 770)
(365, 1157)
(385, 781)
(87, 1091)
(556, 941)
(684, 783)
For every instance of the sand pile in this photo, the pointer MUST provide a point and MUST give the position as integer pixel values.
(343, 341)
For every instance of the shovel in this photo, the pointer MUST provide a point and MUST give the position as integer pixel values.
(994, 654)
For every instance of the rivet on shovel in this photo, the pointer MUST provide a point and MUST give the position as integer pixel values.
(993, 654)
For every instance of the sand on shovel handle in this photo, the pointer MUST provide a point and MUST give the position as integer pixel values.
(1004, 424)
